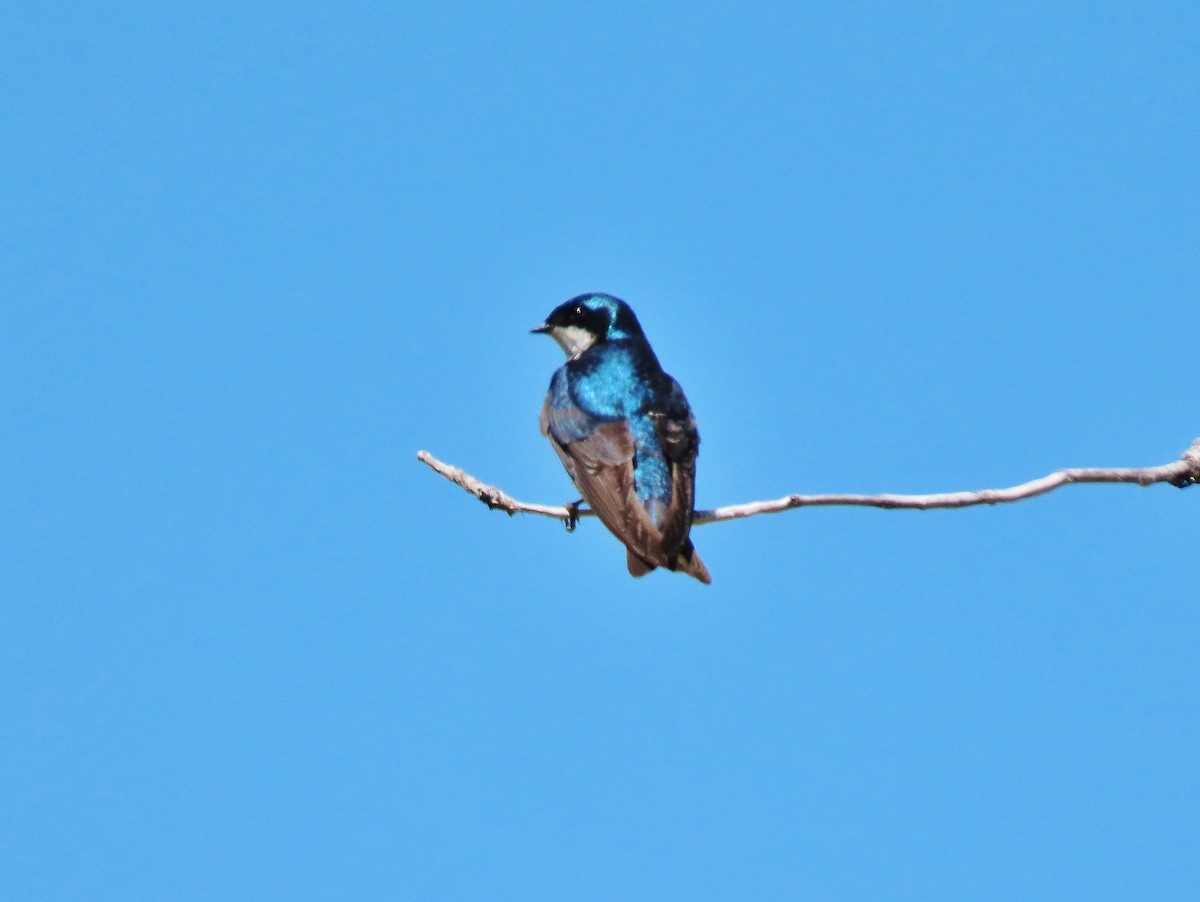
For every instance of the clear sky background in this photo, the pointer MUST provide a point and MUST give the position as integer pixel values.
(253, 260)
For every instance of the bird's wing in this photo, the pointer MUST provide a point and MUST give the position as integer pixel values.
(570, 423)
(599, 455)
(680, 441)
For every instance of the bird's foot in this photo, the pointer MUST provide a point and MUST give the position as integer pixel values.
(1192, 457)
(573, 514)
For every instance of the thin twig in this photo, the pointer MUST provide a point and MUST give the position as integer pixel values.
(1182, 472)
(492, 496)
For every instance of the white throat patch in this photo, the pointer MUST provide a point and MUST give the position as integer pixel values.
(574, 340)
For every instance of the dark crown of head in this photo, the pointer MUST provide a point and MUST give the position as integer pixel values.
(600, 314)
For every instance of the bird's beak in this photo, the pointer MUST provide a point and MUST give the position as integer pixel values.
(544, 327)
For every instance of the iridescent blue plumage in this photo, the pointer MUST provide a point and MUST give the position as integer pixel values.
(624, 431)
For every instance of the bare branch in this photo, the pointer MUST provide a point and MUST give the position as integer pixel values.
(493, 497)
(1182, 472)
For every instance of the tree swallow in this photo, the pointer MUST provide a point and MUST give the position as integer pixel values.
(624, 431)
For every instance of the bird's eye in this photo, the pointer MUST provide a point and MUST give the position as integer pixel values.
(578, 311)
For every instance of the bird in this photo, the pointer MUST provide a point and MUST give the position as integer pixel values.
(625, 433)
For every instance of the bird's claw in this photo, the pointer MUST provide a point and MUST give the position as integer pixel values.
(573, 515)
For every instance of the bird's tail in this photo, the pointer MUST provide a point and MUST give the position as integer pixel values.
(687, 561)
(637, 566)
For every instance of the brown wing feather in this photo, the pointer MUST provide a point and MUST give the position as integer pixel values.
(604, 475)
(601, 466)
(677, 522)
(680, 442)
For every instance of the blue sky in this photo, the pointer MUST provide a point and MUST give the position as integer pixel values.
(254, 259)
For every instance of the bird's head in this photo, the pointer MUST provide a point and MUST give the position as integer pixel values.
(590, 319)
